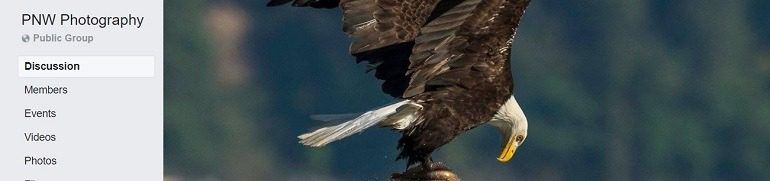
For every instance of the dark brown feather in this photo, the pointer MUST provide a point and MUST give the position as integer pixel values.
(390, 64)
(374, 24)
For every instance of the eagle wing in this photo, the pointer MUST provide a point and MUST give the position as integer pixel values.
(382, 32)
(415, 45)
(442, 55)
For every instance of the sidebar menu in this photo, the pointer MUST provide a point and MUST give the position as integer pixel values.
(81, 90)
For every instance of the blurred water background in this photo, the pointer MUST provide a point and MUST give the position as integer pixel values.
(614, 90)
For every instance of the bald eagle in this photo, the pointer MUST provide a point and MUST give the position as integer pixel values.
(447, 62)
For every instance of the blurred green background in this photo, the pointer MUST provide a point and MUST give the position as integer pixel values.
(614, 90)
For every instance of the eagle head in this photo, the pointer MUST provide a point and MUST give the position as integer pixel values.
(512, 124)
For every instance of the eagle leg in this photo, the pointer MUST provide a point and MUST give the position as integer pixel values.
(430, 165)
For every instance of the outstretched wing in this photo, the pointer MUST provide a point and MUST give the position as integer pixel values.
(418, 45)
(382, 32)
(463, 46)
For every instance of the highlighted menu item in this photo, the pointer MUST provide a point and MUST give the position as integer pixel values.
(86, 66)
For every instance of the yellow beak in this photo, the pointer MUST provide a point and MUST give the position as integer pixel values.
(508, 150)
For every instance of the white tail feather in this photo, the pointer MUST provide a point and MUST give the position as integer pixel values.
(360, 122)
